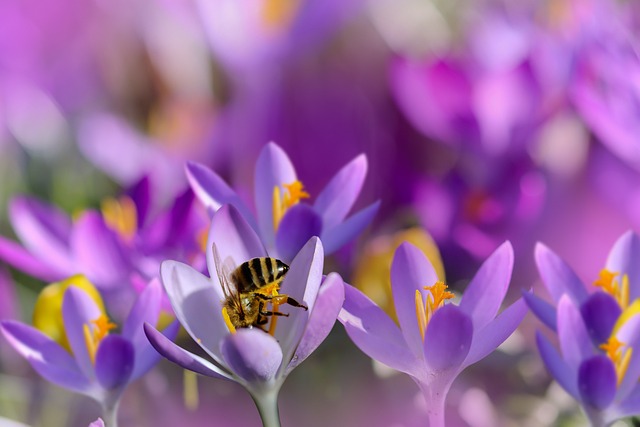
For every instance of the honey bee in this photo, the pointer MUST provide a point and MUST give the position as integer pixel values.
(248, 289)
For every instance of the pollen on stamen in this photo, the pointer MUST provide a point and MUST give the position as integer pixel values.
(227, 320)
(93, 338)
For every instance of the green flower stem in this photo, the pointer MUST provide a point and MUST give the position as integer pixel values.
(267, 403)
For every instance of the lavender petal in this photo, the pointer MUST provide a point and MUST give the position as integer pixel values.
(447, 340)
(297, 226)
(252, 354)
(557, 276)
(597, 382)
(114, 362)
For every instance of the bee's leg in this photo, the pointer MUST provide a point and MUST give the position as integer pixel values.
(273, 313)
(281, 299)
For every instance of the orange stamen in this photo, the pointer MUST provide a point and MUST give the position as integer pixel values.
(292, 194)
(438, 294)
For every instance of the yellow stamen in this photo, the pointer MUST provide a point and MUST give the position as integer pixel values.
(291, 195)
(274, 318)
(102, 325)
(202, 238)
(121, 216)
(420, 313)
(616, 352)
(438, 294)
(278, 13)
(227, 320)
(624, 293)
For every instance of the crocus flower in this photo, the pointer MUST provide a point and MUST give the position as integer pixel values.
(617, 286)
(97, 423)
(603, 379)
(90, 360)
(252, 357)
(598, 329)
(107, 246)
(283, 222)
(434, 341)
(248, 37)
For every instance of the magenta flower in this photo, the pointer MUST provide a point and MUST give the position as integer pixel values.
(283, 222)
(434, 342)
(96, 363)
(258, 360)
(108, 246)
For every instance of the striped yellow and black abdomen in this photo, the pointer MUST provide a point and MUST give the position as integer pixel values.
(258, 272)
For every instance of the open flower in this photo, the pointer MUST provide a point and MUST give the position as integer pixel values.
(598, 330)
(617, 286)
(107, 246)
(257, 359)
(434, 341)
(283, 222)
(603, 379)
(86, 357)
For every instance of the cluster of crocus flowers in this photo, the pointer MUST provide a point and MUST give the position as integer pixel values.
(284, 221)
(259, 357)
(79, 350)
(599, 332)
(109, 246)
(433, 340)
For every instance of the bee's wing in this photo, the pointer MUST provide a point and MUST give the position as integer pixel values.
(223, 271)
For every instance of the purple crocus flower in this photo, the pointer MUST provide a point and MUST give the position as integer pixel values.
(617, 286)
(285, 224)
(603, 379)
(97, 364)
(434, 342)
(598, 329)
(257, 360)
(109, 246)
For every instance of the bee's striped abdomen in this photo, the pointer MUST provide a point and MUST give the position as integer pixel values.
(258, 272)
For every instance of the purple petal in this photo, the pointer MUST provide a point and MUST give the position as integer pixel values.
(297, 226)
(18, 257)
(146, 309)
(623, 259)
(301, 283)
(47, 357)
(410, 271)
(140, 194)
(273, 168)
(146, 355)
(600, 312)
(338, 236)
(597, 382)
(214, 192)
(114, 362)
(337, 198)
(236, 241)
(182, 357)
(629, 405)
(564, 374)
(557, 276)
(575, 341)
(542, 309)
(43, 229)
(448, 338)
(78, 310)
(197, 304)
(483, 297)
(322, 318)
(373, 331)
(98, 251)
(496, 332)
(252, 354)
